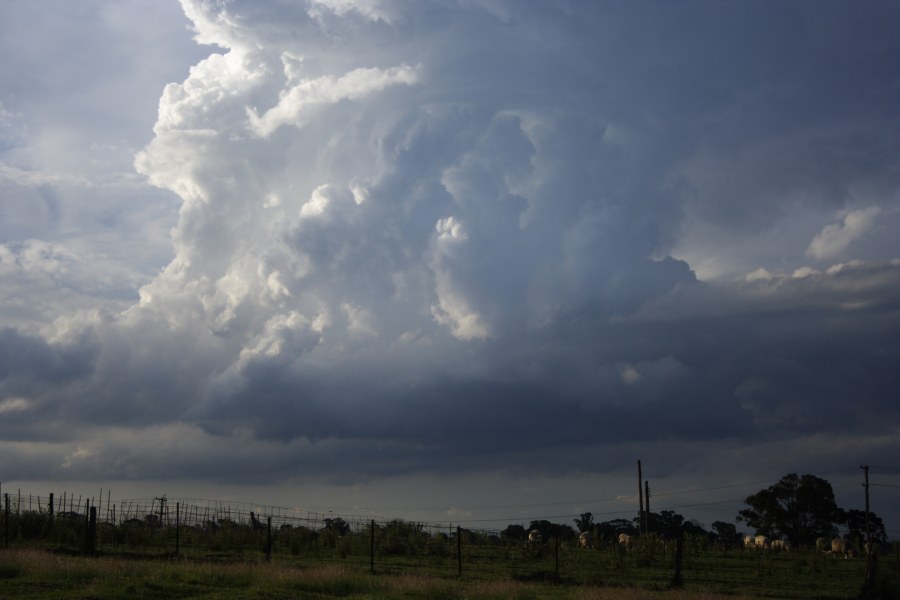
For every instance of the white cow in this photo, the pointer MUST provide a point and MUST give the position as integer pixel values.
(821, 544)
(762, 542)
(585, 540)
(625, 540)
(780, 545)
(749, 542)
(840, 546)
(534, 537)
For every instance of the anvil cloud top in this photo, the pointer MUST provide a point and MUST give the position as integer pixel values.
(369, 240)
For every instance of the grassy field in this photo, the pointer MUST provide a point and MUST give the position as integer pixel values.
(29, 573)
(226, 559)
(39, 574)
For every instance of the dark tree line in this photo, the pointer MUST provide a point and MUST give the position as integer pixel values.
(798, 509)
(801, 509)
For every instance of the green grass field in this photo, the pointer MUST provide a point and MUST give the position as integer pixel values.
(39, 574)
(145, 560)
(31, 573)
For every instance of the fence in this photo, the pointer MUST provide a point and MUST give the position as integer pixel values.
(213, 530)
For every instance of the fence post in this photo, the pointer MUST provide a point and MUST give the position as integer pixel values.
(6, 521)
(50, 509)
(87, 523)
(92, 531)
(177, 528)
(459, 550)
(677, 580)
(372, 549)
(869, 588)
(268, 538)
(557, 552)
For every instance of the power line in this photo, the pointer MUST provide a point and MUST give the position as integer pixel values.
(712, 489)
(490, 507)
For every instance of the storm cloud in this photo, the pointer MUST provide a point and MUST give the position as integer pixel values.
(391, 239)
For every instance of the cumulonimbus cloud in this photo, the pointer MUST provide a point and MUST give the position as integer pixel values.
(410, 232)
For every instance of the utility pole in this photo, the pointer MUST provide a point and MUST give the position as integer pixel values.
(865, 469)
(641, 500)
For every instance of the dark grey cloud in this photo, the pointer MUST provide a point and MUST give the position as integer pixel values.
(453, 239)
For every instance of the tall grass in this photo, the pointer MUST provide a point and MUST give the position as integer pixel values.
(42, 575)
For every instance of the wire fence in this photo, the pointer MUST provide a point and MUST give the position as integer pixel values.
(214, 530)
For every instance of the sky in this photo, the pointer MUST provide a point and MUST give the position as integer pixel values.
(452, 260)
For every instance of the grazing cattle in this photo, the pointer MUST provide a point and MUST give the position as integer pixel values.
(762, 542)
(780, 546)
(534, 537)
(749, 542)
(625, 540)
(585, 540)
(841, 547)
(876, 548)
(821, 544)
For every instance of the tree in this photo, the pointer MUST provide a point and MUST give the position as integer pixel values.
(337, 525)
(550, 530)
(800, 509)
(610, 529)
(726, 533)
(855, 521)
(516, 533)
(667, 523)
(585, 522)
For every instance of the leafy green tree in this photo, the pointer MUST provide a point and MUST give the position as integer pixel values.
(585, 522)
(338, 526)
(800, 509)
(855, 521)
(514, 533)
(609, 530)
(726, 533)
(694, 527)
(667, 523)
(549, 530)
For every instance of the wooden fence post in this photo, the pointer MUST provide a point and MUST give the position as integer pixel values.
(268, 538)
(87, 523)
(459, 550)
(177, 527)
(677, 580)
(556, 531)
(372, 549)
(92, 531)
(6, 521)
(50, 509)
(869, 589)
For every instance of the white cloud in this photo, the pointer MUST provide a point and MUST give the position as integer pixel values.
(453, 309)
(630, 375)
(294, 102)
(834, 239)
(760, 274)
(14, 405)
(361, 249)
